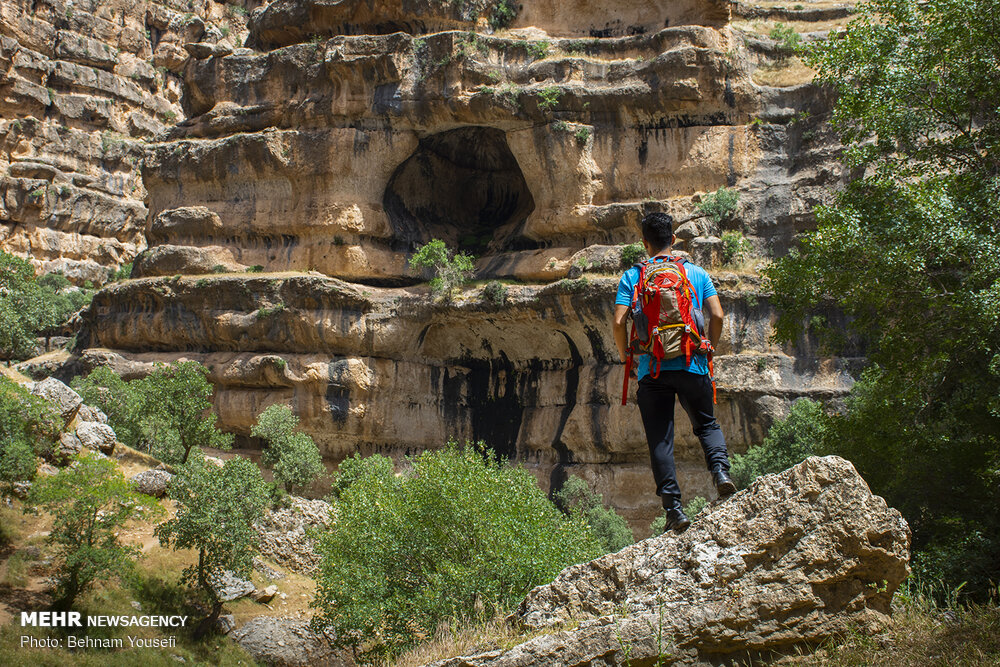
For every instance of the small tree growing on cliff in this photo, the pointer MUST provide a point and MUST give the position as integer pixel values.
(451, 271)
(215, 515)
(90, 501)
(292, 456)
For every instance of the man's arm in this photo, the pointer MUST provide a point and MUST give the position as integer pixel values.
(714, 308)
(620, 326)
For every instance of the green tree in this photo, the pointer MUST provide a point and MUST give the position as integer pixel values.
(216, 510)
(576, 499)
(21, 316)
(292, 456)
(910, 253)
(90, 502)
(459, 533)
(28, 426)
(167, 413)
(451, 271)
(790, 441)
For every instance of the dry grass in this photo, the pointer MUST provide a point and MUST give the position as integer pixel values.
(783, 73)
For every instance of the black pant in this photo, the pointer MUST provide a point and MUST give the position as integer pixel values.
(656, 405)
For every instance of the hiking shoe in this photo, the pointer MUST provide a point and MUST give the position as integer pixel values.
(723, 483)
(677, 520)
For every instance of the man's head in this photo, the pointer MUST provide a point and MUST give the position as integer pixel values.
(657, 231)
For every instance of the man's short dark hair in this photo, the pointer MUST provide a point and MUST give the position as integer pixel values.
(658, 230)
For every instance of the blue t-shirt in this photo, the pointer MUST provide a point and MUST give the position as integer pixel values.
(703, 287)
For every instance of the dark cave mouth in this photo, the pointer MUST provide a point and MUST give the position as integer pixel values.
(462, 186)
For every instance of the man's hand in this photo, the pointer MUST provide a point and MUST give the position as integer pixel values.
(715, 314)
(619, 325)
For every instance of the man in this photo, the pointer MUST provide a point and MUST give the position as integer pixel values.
(690, 383)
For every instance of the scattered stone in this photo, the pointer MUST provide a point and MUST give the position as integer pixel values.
(152, 482)
(89, 413)
(47, 470)
(216, 461)
(266, 595)
(287, 642)
(22, 489)
(228, 586)
(798, 557)
(97, 436)
(66, 401)
(283, 533)
(136, 605)
(269, 572)
(225, 624)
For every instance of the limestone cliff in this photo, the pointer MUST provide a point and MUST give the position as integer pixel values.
(343, 135)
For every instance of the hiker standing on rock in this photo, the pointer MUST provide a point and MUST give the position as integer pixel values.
(667, 299)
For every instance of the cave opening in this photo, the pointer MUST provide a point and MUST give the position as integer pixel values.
(463, 186)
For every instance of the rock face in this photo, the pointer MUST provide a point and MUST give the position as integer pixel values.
(286, 642)
(796, 558)
(283, 534)
(328, 140)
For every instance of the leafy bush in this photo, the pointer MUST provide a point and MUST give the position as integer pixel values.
(790, 441)
(28, 426)
(461, 531)
(256, 268)
(582, 135)
(695, 506)
(123, 273)
(90, 502)
(632, 253)
(789, 41)
(167, 413)
(720, 205)
(292, 456)
(216, 510)
(495, 292)
(735, 247)
(576, 499)
(451, 271)
(548, 97)
(503, 14)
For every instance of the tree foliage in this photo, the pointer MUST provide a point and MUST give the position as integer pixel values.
(29, 306)
(216, 510)
(451, 270)
(910, 252)
(292, 456)
(167, 413)
(576, 499)
(90, 502)
(461, 533)
(790, 441)
(28, 426)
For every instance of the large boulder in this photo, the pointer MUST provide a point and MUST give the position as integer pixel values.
(287, 642)
(229, 586)
(283, 537)
(96, 436)
(152, 482)
(796, 558)
(65, 401)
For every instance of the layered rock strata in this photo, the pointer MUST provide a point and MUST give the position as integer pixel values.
(798, 557)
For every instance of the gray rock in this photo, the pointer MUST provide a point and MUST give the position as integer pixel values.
(283, 538)
(63, 399)
(265, 595)
(89, 413)
(799, 556)
(228, 586)
(96, 436)
(226, 623)
(269, 572)
(152, 482)
(69, 446)
(21, 489)
(287, 642)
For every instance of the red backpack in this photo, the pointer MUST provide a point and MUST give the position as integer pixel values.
(667, 320)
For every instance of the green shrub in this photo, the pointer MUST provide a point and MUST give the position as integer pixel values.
(90, 502)
(790, 441)
(720, 205)
(495, 292)
(789, 41)
(582, 135)
(256, 268)
(28, 426)
(451, 271)
(576, 499)
(735, 247)
(632, 253)
(216, 510)
(548, 97)
(695, 506)
(124, 272)
(503, 14)
(459, 532)
(167, 413)
(538, 50)
(218, 268)
(292, 456)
